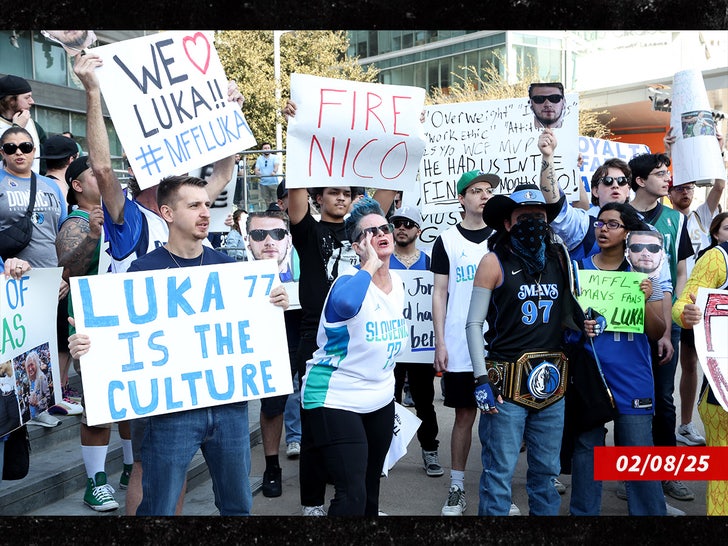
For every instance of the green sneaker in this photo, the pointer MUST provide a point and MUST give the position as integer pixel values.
(99, 494)
(125, 475)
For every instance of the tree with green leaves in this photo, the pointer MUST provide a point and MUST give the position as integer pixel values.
(247, 57)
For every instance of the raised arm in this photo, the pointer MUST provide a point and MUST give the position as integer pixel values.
(549, 186)
(222, 169)
(97, 137)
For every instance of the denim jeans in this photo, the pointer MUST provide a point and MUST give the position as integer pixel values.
(644, 498)
(500, 437)
(664, 421)
(292, 414)
(170, 442)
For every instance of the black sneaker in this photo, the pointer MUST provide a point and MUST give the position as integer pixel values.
(272, 483)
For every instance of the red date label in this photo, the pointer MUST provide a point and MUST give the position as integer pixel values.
(661, 463)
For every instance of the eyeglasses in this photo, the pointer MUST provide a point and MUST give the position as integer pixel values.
(384, 229)
(660, 174)
(553, 99)
(407, 224)
(259, 235)
(639, 247)
(686, 188)
(611, 224)
(25, 147)
(480, 191)
(609, 180)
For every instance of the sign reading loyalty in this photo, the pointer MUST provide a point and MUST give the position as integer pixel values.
(178, 339)
(617, 296)
(167, 96)
(348, 133)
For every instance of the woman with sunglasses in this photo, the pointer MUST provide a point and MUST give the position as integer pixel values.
(627, 367)
(50, 208)
(16, 99)
(710, 271)
(347, 394)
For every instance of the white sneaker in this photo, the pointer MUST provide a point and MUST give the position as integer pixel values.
(45, 419)
(313, 511)
(455, 505)
(514, 511)
(689, 435)
(293, 450)
(560, 487)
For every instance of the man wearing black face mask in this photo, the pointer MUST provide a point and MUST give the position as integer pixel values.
(523, 287)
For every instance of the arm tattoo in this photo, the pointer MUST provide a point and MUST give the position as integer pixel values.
(75, 247)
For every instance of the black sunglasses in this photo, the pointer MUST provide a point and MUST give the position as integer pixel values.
(259, 235)
(639, 247)
(553, 99)
(608, 180)
(384, 229)
(408, 224)
(25, 147)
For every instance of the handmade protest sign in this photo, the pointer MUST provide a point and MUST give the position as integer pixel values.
(418, 313)
(29, 370)
(496, 137)
(348, 133)
(595, 151)
(179, 339)
(167, 96)
(406, 424)
(711, 343)
(617, 296)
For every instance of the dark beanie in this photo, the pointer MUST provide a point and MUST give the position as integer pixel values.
(13, 85)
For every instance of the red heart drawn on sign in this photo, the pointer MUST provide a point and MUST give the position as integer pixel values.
(201, 51)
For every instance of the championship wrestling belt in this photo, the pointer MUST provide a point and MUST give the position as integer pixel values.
(534, 381)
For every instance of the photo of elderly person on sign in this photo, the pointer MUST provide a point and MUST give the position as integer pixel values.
(547, 104)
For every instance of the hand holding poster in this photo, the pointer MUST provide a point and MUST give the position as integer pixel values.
(711, 343)
(173, 340)
(167, 96)
(616, 295)
(348, 133)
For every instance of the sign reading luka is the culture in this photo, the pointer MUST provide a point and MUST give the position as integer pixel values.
(167, 96)
(177, 339)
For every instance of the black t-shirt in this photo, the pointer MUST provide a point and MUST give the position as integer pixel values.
(324, 251)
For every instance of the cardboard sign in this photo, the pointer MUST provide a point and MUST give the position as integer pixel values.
(617, 296)
(418, 287)
(348, 133)
(167, 96)
(406, 424)
(711, 342)
(29, 370)
(595, 151)
(497, 137)
(179, 339)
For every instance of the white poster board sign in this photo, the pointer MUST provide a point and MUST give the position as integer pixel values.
(595, 151)
(406, 424)
(348, 133)
(711, 343)
(497, 137)
(179, 339)
(695, 153)
(167, 96)
(418, 287)
(28, 348)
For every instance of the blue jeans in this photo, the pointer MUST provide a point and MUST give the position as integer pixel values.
(292, 414)
(664, 421)
(644, 498)
(170, 442)
(500, 436)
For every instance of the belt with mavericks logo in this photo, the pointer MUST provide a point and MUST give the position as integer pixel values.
(535, 381)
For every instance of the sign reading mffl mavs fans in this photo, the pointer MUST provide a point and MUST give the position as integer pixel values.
(178, 339)
(167, 96)
(348, 133)
(495, 136)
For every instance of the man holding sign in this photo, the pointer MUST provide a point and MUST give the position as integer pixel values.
(172, 439)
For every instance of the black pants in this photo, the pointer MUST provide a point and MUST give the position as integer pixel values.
(422, 388)
(353, 447)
